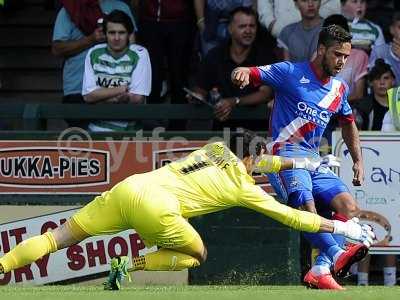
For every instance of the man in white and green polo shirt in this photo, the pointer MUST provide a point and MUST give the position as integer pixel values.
(116, 72)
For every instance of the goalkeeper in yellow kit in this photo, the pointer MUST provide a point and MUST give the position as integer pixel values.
(156, 204)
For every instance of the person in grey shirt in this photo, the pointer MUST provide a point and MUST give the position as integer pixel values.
(389, 52)
(299, 40)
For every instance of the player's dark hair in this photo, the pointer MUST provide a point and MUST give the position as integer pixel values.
(333, 33)
(379, 69)
(118, 16)
(245, 142)
(248, 11)
(336, 19)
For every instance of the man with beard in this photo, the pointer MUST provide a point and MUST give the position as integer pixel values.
(307, 94)
(213, 78)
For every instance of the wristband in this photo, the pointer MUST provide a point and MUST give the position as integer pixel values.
(299, 163)
(339, 227)
(269, 164)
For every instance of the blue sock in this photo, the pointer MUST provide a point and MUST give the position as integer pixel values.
(323, 260)
(325, 242)
(340, 239)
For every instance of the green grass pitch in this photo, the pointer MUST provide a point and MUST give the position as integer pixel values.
(71, 292)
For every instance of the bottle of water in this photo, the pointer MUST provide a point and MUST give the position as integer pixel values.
(215, 96)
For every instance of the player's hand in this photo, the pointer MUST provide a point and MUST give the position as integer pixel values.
(223, 108)
(121, 98)
(396, 46)
(98, 35)
(241, 76)
(358, 173)
(360, 232)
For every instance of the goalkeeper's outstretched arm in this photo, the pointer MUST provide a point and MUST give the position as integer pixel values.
(255, 198)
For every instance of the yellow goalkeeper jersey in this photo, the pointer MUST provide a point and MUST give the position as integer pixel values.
(213, 178)
(207, 180)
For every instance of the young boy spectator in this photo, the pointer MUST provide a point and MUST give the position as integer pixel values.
(374, 108)
(274, 15)
(299, 40)
(116, 72)
(366, 34)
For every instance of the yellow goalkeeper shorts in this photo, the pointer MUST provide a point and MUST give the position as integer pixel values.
(137, 204)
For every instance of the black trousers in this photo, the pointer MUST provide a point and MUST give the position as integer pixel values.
(169, 42)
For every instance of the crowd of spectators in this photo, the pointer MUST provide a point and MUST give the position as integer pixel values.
(197, 44)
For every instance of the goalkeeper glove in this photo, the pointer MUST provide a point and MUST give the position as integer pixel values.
(353, 230)
(320, 164)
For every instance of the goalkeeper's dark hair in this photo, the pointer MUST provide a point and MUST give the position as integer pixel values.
(331, 34)
(245, 142)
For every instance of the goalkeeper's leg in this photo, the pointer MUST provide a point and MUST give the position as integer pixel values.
(173, 259)
(176, 259)
(38, 246)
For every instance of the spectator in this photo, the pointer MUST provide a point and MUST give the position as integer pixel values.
(389, 270)
(374, 108)
(391, 121)
(299, 40)
(74, 33)
(274, 15)
(116, 72)
(381, 12)
(166, 29)
(383, 89)
(356, 66)
(366, 34)
(390, 52)
(215, 70)
(11, 6)
(212, 21)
